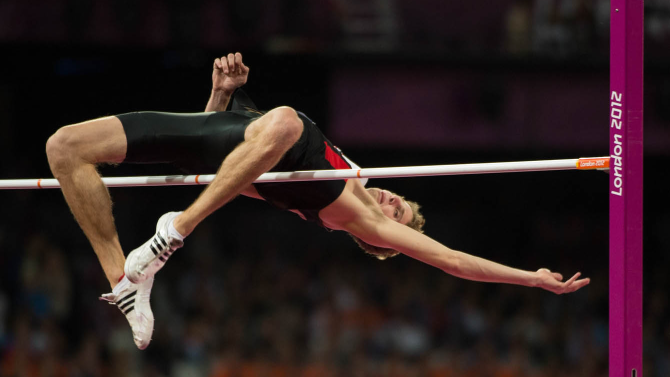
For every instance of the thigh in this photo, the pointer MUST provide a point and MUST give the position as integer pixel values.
(98, 140)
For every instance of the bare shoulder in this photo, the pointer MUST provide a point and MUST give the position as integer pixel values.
(354, 205)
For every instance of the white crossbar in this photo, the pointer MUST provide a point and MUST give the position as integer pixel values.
(322, 175)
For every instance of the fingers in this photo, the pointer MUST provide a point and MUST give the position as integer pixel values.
(572, 279)
(231, 64)
(573, 284)
(224, 64)
(238, 62)
(581, 283)
(240, 68)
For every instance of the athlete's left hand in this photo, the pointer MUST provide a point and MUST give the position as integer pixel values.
(553, 281)
(229, 73)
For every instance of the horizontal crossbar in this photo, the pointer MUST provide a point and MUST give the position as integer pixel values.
(596, 163)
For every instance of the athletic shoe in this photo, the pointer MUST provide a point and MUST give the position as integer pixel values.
(133, 301)
(143, 262)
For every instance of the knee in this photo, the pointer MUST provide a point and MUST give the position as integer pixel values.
(286, 127)
(61, 150)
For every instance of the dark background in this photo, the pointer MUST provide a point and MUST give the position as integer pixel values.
(257, 292)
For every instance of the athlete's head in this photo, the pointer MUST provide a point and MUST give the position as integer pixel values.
(398, 209)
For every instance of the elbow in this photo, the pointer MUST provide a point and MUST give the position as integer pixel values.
(452, 264)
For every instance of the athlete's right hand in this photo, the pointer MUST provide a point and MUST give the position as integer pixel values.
(229, 73)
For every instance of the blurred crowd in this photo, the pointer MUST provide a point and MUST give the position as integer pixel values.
(298, 301)
(507, 27)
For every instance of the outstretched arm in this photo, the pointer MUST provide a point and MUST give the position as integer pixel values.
(228, 74)
(390, 234)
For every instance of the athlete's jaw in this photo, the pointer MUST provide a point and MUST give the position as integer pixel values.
(382, 197)
(376, 194)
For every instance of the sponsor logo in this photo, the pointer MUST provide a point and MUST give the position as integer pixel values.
(593, 163)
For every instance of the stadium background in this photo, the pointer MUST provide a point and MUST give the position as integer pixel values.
(257, 292)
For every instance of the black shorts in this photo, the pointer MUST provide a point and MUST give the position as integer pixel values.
(198, 143)
(195, 143)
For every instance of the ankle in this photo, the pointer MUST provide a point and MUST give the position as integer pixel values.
(122, 284)
(115, 282)
(179, 227)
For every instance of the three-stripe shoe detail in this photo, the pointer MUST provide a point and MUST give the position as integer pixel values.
(127, 304)
(160, 248)
(133, 301)
(147, 259)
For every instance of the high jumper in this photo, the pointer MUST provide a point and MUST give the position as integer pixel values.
(241, 145)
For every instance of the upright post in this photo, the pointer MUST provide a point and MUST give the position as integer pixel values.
(625, 274)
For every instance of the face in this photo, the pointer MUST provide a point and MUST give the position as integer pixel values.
(393, 206)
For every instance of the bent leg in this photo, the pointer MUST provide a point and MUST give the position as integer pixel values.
(265, 142)
(73, 152)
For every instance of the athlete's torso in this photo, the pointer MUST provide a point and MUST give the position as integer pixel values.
(313, 151)
(351, 205)
(350, 208)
